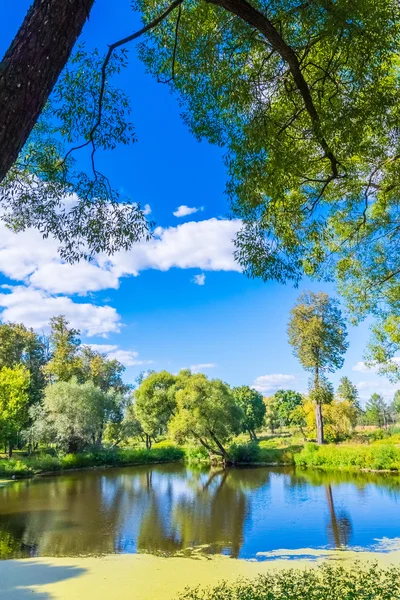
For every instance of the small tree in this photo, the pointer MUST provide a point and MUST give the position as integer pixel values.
(253, 407)
(77, 414)
(272, 416)
(14, 402)
(348, 391)
(288, 401)
(65, 361)
(317, 332)
(155, 403)
(376, 411)
(207, 413)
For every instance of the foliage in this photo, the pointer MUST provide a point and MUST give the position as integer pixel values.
(76, 414)
(350, 457)
(105, 373)
(245, 453)
(155, 402)
(206, 413)
(348, 391)
(272, 413)
(28, 466)
(22, 346)
(339, 416)
(45, 190)
(253, 407)
(122, 430)
(376, 411)
(64, 341)
(14, 401)
(317, 332)
(326, 582)
(288, 401)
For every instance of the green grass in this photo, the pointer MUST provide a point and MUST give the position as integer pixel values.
(28, 466)
(377, 457)
(323, 583)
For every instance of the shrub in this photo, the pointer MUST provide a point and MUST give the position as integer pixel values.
(323, 583)
(245, 453)
(377, 457)
(194, 454)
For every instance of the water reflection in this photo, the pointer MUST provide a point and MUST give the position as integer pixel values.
(173, 510)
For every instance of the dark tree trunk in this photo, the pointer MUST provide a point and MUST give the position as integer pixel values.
(31, 66)
(148, 442)
(10, 449)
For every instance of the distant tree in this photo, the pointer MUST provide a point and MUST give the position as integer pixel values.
(155, 403)
(22, 346)
(395, 406)
(122, 430)
(65, 361)
(272, 414)
(348, 391)
(288, 401)
(14, 403)
(253, 407)
(206, 412)
(376, 411)
(105, 373)
(317, 332)
(76, 414)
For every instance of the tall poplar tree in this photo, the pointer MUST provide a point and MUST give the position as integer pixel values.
(317, 332)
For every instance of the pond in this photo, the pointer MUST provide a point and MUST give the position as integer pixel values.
(257, 513)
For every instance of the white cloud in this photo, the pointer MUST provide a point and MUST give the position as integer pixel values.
(184, 211)
(202, 366)
(199, 279)
(205, 245)
(269, 383)
(147, 209)
(379, 386)
(126, 357)
(34, 308)
(361, 367)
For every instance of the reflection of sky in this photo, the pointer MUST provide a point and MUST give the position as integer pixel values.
(298, 516)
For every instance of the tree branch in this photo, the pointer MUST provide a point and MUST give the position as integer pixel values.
(259, 21)
(111, 49)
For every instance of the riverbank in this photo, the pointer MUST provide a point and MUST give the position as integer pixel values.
(147, 577)
(44, 464)
(381, 456)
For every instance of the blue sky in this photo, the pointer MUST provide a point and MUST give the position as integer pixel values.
(146, 307)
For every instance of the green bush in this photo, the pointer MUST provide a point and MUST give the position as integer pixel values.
(195, 454)
(323, 583)
(377, 457)
(245, 453)
(94, 458)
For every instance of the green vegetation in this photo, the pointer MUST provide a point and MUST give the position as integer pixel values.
(350, 456)
(317, 332)
(323, 583)
(28, 466)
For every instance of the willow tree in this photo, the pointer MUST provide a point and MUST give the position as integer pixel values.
(317, 332)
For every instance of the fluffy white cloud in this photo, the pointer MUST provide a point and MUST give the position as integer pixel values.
(379, 386)
(126, 357)
(147, 209)
(361, 367)
(202, 366)
(199, 279)
(34, 308)
(184, 211)
(205, 245)
(269, 383)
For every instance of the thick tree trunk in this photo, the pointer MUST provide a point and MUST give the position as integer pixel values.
(31, 66)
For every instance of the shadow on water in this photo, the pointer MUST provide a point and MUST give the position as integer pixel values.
(18, 578)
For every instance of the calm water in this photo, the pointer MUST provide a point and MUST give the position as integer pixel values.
(171, 509)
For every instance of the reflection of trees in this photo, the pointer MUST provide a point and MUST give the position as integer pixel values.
(160, 509)
(340, 526)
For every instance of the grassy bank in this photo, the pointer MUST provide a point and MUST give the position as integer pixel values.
(377, 457)
(29, 466)
(324, 583)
